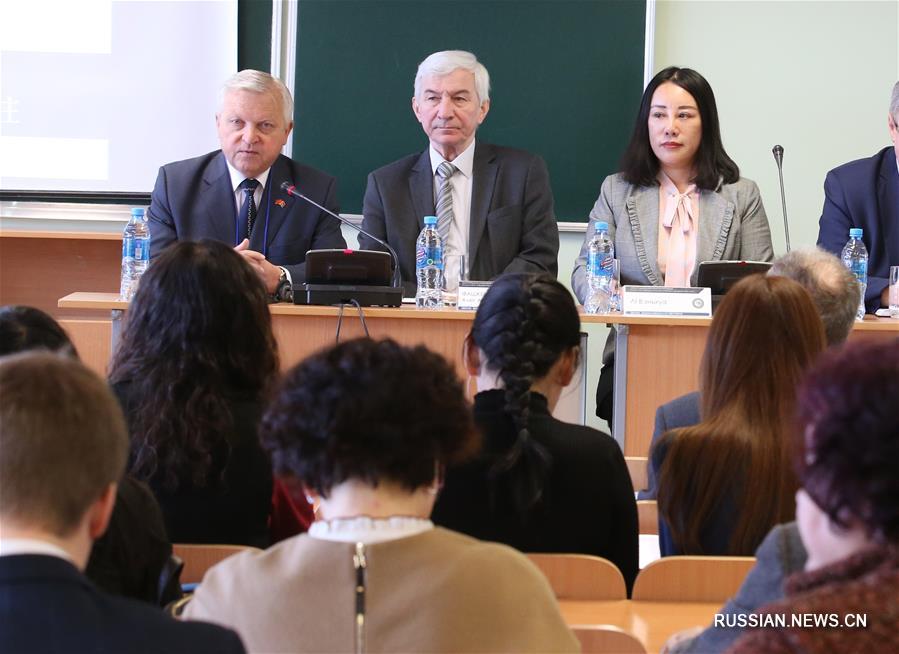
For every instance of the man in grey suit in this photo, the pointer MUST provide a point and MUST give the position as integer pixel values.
(494, 204)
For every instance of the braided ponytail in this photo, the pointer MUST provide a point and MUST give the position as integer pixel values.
(523, 326)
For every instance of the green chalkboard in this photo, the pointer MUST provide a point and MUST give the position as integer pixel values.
(566, 80)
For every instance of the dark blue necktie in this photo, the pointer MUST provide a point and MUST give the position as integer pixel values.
(248, 211)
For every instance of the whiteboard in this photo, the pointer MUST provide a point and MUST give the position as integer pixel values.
(95, 95)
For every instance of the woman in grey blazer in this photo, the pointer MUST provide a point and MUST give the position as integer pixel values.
(676, 144)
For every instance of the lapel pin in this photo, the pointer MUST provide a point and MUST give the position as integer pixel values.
(281, 203)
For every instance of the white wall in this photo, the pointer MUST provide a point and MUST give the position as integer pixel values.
(812, 76)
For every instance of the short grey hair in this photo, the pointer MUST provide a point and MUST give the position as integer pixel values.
(833, 288)
(445, 62)
(894, 105)
(256, 81)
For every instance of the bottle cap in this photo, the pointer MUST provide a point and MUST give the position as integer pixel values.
(138, 211)
(430, 220)
(855, 232)
(602, 225)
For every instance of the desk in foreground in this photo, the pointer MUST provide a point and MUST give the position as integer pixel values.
(651, 622)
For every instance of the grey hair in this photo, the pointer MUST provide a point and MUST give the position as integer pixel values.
(445, 62)
(833, 289)
(256, 81)
(894, 105)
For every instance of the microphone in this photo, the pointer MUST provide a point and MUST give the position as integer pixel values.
(778, 153)
(291, 189)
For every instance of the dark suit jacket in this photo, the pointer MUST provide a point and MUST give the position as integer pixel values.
(512, 226)
(865, 193)
(193, 199)
(46, 605)
(587, 506)
(682, 411)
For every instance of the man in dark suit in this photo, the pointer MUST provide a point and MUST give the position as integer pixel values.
(234, 194)
(865, 194)
(64, 445)
(494, 204)
(836, 296)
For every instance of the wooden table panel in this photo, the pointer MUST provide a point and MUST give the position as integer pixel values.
(651, 622)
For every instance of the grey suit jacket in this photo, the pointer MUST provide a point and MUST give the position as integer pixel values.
(680, 412)
(780, 555)
(512, 224)
(732, 225)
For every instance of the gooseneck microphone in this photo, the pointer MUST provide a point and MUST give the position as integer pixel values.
(778, 153)
(291, 189)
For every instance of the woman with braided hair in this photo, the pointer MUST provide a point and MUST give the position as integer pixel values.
(538, 484)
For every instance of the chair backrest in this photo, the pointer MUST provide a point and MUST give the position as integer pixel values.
(199, 558)
(648, 516)
(692, 578)
(607, 639)
(581, 577)
(636, 466)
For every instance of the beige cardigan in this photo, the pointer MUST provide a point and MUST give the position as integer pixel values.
(438, 591)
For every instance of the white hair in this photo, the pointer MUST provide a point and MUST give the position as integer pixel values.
(256, 81)
(443, 63)
(894, 105)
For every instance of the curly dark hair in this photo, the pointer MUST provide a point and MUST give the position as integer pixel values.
(26, 328)
(523, 325)
(639, 164)
(849, 436)
(198, 333)
(368, 410)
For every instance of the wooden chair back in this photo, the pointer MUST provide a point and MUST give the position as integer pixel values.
(199, 558)
(607, 639)
(636, 466)
(581, 577)
(692, 578)
(648, 516)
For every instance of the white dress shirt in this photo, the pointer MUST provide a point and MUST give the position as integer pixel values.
(237, 178)
(457, 242)
(15, 546)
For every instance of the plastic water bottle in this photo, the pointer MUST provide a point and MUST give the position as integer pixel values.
(855, 258)
(600, 252)
(429, 266)
(135, 252)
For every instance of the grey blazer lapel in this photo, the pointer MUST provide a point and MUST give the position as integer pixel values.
(643, 215)
(716, 215)
(217, 197)
(483, 173)
(421, 188)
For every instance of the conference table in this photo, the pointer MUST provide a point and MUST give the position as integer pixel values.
(651, 622)
(657, 358)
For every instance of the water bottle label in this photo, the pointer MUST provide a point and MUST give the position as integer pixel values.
(599, 264)
(860, 270)
(141, 249)
(429, 256)
(128, 247)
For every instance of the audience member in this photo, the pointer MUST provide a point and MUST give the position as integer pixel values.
(373, 460)
(835, 294)
(130, 556)
(678, 200)
(196, 356)
(539, 484)
(847, 509)
(64, 448)
(723, 483)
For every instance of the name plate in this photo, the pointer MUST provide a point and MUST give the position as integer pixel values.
(471, 294)
(665, 301)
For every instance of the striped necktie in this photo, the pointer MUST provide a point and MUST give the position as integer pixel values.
(445, 199)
